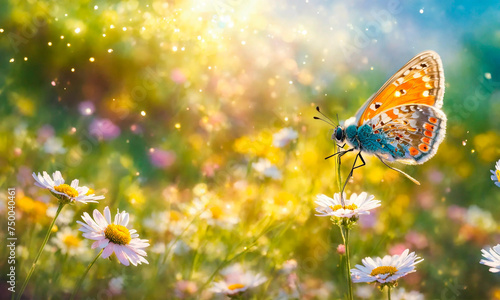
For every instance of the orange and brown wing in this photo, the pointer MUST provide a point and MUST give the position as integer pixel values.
(420, 81)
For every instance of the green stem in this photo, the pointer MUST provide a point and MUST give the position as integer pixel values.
(345, 238)
(348, 262)
(339, 176)
(33, 266)
(85, 274)
(388, 293)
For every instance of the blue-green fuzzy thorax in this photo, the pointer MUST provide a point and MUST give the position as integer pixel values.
(364, 138)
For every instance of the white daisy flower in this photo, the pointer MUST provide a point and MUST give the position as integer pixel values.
(402, 294)
(480, 218)
(365, 292)
(266, 168)
(284, 136)
(69, 243)
(496, 174)
(492, 258)
(237, 281)
(65, 216)
(162, 221)
(115, 285)
(214, 212)
(355, 206)
(114, 237)
(387, 269)
(63, 191)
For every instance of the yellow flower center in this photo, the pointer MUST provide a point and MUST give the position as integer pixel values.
(71, 241)
(216, 212)
(117, 234)
(384, 270)
(338, 206)
(90, 192)
(235, 286)
(498, 174)
(66, 189)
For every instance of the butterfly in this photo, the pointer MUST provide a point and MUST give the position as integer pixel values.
(403, 121)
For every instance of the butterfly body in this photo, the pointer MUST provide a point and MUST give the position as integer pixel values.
(363, 138)
(403, 121)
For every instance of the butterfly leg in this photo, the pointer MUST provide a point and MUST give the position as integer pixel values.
(354, 167)
(398, 170)
(340, 153)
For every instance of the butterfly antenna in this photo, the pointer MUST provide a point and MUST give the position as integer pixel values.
(398, 170)
(331, 121)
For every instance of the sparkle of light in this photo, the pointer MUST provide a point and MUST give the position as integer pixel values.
(92, 59)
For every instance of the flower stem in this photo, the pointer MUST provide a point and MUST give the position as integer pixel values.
(348, 262)
(345, 238)
(85, 274)
(339, 177)
(33, 266)
(388, 293)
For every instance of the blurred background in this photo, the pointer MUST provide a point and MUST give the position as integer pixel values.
(174, 111)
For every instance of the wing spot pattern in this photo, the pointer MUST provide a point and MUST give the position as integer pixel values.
(413, 151)
(429, 127)
(423, 147)
(426, 140)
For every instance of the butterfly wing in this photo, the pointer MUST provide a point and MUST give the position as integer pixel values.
(411, 132)
(420, 81)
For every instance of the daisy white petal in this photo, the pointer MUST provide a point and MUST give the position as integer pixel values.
(237, 281)
(69, 243)
(107, 215)
(354, 206)
(107, 251)
(496, 174)
(114, 237)
(64, 192)
(385, 270)
(491, 258)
